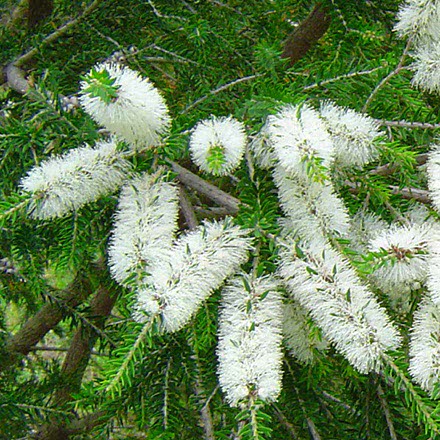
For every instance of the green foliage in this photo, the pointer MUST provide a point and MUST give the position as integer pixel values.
(207, 58)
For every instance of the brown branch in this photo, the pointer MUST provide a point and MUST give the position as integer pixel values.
(38, 11)
(187, 209)
(388, 169)
(421, 195)
(46, 319)
(76, 361)
(207, 189)
(306, 34)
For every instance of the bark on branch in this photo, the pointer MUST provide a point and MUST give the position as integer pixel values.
(76, 361)
(46, 319)
(306, 34)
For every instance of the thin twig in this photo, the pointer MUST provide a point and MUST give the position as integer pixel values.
(407, 124)
(283, 419)
(25, 58)
(46, 348)
(345, 76)
(387, 413)
(218, 90)
(399, 67)
(421, 195)
(389, 168)
(187, 209)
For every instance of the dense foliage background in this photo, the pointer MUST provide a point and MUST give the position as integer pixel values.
(207, 57)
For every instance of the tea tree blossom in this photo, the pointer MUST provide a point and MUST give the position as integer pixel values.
(126, 104)
(217, 145)
(353, 135)
(419, 19)
(249, 348)
(311, 206)
(198, 263)
(404, 257)
(145, 224)
(424, 345)
(65, 183)
(300, 140)
(346, 311)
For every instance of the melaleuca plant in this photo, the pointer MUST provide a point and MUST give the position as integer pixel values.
(248, 319)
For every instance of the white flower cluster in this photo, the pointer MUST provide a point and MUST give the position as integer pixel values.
(302, 145)
(136, 112)
(65, 183)
(249, 348)
(325, 284)
(424, 345)
(298, 134)
(196, 265)
(144, 229)
(420, 20)
(217, 145)
(353, 135)
(405, 258)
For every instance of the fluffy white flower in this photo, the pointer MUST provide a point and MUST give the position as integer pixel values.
(325, 284)
(198, 263)
(144, 228)
(249, 348)
(65, 183)
(419, 19)
(298, 136)
(313, 207)
(404, 252)
(433, 169)
(261, 148)
(138, 113)
(427, 67)
(434, 265)
(298, 335)
(217, 145)
(353, 135)
(424, 349)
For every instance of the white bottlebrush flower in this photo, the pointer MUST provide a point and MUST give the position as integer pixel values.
(217, 145)
(424, 349)
(298, 335)
(126, 104)
(353, 135)
(65, 183)
(144, 228)
(313, 207)
(433, 169)
(427, 67)
(403, 256)
(433, 282)
(198, 263)
(261, 148)
(419, 19)
(249, 347)
(300, 139)
(326, 285)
